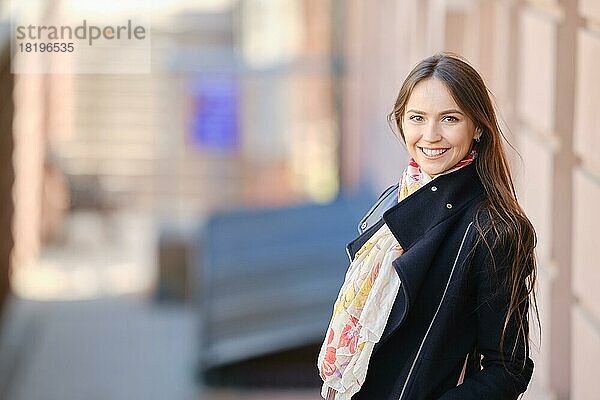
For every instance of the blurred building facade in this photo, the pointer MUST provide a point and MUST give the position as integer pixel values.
(539, 58)
(238, 110)
(223, 120)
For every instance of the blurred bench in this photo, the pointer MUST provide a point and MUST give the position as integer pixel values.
(269, 277)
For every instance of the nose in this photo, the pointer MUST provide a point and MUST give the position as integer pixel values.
(431, 133)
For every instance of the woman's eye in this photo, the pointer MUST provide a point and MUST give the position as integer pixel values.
(451, 119)
(416, 118)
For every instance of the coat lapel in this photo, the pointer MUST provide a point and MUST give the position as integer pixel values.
(420, 223)
(412, 268)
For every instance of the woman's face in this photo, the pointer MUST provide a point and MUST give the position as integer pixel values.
(438, 133)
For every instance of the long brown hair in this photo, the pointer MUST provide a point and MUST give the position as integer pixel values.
(506, 221)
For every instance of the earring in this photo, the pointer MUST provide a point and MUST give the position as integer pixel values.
(477, 139)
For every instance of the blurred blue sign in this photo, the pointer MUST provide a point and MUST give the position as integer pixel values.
(214, 121)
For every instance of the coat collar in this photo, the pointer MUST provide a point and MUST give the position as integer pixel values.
(433, 203)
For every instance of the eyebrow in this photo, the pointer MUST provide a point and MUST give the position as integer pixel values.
(451, 111)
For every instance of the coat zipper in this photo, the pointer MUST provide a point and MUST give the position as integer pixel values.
(412, 367)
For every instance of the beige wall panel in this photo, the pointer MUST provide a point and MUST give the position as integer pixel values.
(587, 102)
(536, 66)
(585, 356)
(386, 64)
(436, 19)
(540, 345)
(533, 178)
(586, 264)
(487, 31)
(500, 78)
(590, 9)
(455, 31)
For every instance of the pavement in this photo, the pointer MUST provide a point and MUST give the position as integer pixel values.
(83, 324)
(119, 349)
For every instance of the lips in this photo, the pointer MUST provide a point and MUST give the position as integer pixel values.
(433, 153)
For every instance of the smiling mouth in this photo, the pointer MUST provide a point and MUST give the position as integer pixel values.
(433, 153)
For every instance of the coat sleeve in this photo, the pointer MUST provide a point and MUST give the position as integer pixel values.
(496, 380)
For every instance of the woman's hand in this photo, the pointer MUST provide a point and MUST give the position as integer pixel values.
(330, 394)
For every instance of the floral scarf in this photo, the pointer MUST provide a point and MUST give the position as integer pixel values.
(365, 300)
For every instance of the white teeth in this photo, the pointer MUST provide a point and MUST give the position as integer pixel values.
(432, 152)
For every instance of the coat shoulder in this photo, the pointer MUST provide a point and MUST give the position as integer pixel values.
(385, 200)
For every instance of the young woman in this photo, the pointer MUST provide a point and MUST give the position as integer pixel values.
(435, 302)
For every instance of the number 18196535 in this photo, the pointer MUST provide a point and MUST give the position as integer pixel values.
(46, 47)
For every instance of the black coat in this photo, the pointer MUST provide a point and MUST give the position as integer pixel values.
(451, 302)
